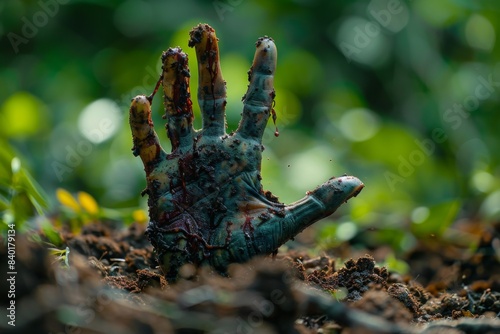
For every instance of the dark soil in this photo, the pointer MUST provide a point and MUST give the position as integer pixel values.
(113, 285)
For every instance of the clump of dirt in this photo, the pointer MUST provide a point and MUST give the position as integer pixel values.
(113, 284)
(356, 276)
(381, 303)
(113, 251)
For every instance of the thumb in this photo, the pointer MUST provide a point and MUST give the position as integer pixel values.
(267, 237)
(319, 203)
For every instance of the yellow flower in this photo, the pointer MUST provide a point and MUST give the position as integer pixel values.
(88, 203)
(140, 216)
(65, 198)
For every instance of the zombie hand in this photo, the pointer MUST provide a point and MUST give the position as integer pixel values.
(206, 202)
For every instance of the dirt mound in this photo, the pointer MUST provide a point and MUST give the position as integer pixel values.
(112, 284)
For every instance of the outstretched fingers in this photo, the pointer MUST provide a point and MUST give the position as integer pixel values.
(212, 87)
(146, 142)
(177, 98)
(259, 98)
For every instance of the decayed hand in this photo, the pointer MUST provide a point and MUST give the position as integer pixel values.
(206, 202)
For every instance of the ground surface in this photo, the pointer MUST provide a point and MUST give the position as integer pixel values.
(112, 286)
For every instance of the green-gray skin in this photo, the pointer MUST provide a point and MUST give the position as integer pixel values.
(206, 202)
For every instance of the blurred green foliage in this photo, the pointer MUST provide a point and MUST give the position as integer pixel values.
(20, 196)
(403, 95)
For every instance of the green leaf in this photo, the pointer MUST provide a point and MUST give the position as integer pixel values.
(395, 265)
(5, 163)
(21, 208)
(51, 233)
(4, 203)
(36, 194)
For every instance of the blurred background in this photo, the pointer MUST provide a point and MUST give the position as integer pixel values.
(402, 94)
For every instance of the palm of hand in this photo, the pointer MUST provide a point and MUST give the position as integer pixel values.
(206, 202)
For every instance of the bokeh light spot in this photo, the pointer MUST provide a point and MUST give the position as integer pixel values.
(99, 120)
(20, 115)
(490, 208)
(362, 41)
(483, 181)
(479, 33)
(313, 165)
(346, 231)
(359, 124)
(420, 214)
